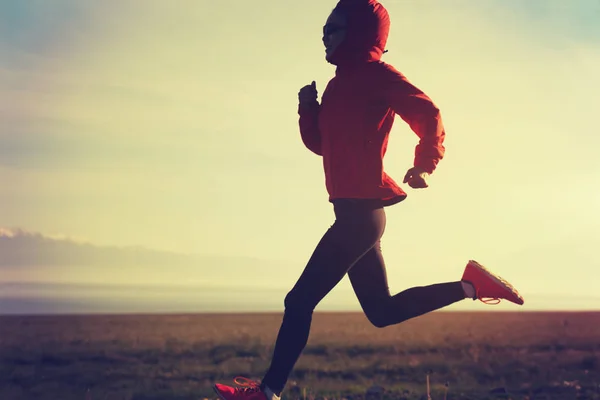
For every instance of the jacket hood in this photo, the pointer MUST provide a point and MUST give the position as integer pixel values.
(368, 26)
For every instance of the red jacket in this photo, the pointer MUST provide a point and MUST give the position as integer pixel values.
(350, 127)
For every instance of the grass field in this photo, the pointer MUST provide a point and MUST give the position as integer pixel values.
(494, 355)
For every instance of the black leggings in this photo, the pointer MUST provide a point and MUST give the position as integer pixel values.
(351, 246)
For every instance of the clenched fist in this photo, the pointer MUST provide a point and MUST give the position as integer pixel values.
(416, 178)
(308, 94)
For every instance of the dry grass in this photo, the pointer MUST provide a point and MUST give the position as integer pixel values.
(177, 357)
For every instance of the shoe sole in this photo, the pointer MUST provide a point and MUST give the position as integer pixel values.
(500, 281)
(218, 393)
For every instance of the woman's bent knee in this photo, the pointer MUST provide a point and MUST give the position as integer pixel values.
(377, 317)
(297, 304)
(382, 317)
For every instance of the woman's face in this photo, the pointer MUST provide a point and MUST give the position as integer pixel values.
(334, 33)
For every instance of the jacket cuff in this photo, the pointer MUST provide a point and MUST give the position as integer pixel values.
(308, 107)
(427, 165)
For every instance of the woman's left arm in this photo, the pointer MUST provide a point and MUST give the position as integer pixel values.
(420, 113)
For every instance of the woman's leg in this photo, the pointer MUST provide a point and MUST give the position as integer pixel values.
(356, 229)
(369, 281)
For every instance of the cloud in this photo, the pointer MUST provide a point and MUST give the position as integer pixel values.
(42, 274)
(20, 248)
(36, 28)
(60, 259)
(41, 145)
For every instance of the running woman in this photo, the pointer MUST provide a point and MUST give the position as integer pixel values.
(349, 130)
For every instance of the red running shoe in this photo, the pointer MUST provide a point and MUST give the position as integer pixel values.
(247, 390)
(489, 287)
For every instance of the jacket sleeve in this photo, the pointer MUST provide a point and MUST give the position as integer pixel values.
(421, 114)
(309, 126)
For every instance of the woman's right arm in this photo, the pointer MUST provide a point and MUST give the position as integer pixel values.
(308, 109)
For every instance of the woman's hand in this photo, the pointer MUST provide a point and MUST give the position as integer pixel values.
(416, 178)
(308, 94)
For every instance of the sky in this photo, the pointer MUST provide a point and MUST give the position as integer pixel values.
(172, 128)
